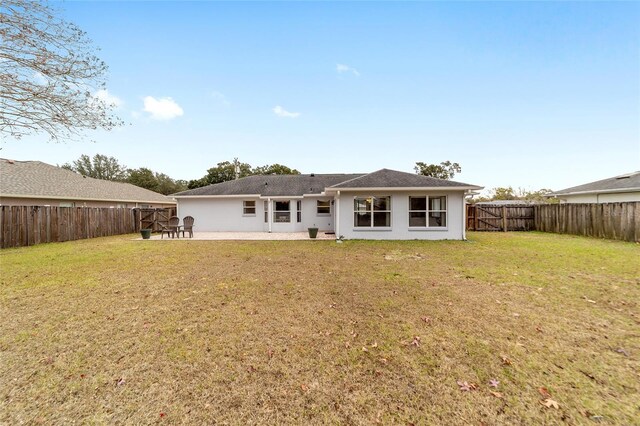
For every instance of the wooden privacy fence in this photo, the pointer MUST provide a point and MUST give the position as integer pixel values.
(29, 225)
(618, 221)
(514, 217)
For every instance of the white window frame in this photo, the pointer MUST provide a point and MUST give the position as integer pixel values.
(372, 211)
(265, 205)
(298, 211)
(318, 207)
(246, 207)
(276, 212)
(428, 211)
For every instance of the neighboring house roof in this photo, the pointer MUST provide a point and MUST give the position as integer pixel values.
(35, 179)
(386, 178)
(507, 202)
(629, 182)
(271, 185)
(298, 185)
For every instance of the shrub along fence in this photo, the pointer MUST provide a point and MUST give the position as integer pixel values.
(29, 225)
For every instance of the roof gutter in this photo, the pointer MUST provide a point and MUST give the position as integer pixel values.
(603, 191)
(412, 188)
(57, 197)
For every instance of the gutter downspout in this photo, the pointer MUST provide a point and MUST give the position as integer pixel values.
(464, 216)
(269, 215)
(337, 219)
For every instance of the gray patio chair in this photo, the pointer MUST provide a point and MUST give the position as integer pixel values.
(187, 225)
(172, 228)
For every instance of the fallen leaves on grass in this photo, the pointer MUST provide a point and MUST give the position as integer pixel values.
(550, 403)
(622, 351)
(505, 360)
(544, 392)
(427, 320)
(494, 383)
(416, 341)
(496, 394)
(588, 300)
(120, 382)
(466, 386)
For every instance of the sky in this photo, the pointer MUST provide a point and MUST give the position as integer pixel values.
(524, 94)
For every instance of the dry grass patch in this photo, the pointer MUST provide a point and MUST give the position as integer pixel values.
(118, 331)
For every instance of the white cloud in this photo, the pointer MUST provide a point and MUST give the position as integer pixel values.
(342, 68)
(220, 98)
(107, 98)
(281, 112)
(162, 109)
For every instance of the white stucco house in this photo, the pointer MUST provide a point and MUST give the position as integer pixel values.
(617, 189)
(383, 205)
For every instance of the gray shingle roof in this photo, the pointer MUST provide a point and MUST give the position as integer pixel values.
(630, 181)
(386, 178)
(272, 185)
(40, 180)
(298, 185)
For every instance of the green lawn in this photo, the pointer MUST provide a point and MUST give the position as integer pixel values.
(112, 330)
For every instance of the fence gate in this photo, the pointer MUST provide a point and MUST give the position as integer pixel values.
(154, 219)
(500, 218)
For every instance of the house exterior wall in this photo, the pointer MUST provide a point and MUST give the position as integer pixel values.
(18, 201)
(613, 197)
(222, 214)
(399, 229)
(225, 214)
(311, 218)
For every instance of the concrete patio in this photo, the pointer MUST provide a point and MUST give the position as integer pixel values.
(255, 236)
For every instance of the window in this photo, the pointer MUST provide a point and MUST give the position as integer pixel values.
(323, 207)
(372, 212)
(430, 212)
(265, 204)
(299, 211)
(63, 204)
(249, 208)
(282, 213)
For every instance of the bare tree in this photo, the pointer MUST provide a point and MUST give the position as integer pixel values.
(49, 75)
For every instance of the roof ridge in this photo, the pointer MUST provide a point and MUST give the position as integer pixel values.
(356, 178)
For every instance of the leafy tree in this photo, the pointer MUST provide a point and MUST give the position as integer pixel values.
(445, 170)
(274, 169)
(226, 170)
(504, 194)
(508, 193)
(157, 182)
(167, 186)
(144, 178)
(49, 75)
(99, 167)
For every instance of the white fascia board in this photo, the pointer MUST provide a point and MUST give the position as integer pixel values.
(111, 200)
(218, 196)
(601, 191)
(281, 197)
(404, 189)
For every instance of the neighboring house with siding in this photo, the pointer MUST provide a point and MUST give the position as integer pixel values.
(612, 190)
(384, 205)
(34, 183)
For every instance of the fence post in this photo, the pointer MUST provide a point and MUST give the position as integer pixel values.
(504, 218)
